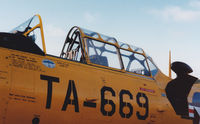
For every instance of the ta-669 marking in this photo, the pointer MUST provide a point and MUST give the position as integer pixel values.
(71, 90)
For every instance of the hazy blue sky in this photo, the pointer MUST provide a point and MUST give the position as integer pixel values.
(154, 25)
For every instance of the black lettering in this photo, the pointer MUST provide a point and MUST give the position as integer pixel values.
(50, 79)
(89, 104)
(71, 87)
(143, 105)
(125, 104)
(106, 101)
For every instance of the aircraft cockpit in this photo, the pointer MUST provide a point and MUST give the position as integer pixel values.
(87, 47)
(27, 37)
(103, 51)
(32, 29)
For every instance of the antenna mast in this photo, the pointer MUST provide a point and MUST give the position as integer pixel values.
(170, 72)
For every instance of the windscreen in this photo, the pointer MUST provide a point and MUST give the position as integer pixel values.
(31, 24)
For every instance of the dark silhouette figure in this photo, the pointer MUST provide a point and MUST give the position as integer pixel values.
(177, 90)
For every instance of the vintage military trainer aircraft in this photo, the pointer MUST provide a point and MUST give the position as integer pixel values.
(95, 79)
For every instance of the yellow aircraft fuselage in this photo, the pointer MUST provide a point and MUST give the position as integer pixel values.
(45, 89)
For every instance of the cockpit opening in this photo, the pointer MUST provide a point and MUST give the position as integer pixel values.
(73, 49)
(32, 29)
(100, 50)
(25, 37)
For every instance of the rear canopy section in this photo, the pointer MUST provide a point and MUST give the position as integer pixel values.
(103, 51)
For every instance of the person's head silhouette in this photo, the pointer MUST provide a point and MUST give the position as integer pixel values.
(178, 89)
(181, 68)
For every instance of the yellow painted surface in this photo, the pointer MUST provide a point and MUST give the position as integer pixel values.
(70, 92)
(25, 94)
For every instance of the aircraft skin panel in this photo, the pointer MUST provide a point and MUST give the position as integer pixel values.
(5, 83)
(45, 89)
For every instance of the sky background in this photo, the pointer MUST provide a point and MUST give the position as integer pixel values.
(157, 26)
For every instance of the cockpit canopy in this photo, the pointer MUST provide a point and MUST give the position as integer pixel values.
(90, 47)
(33, 30)
(100, 50)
